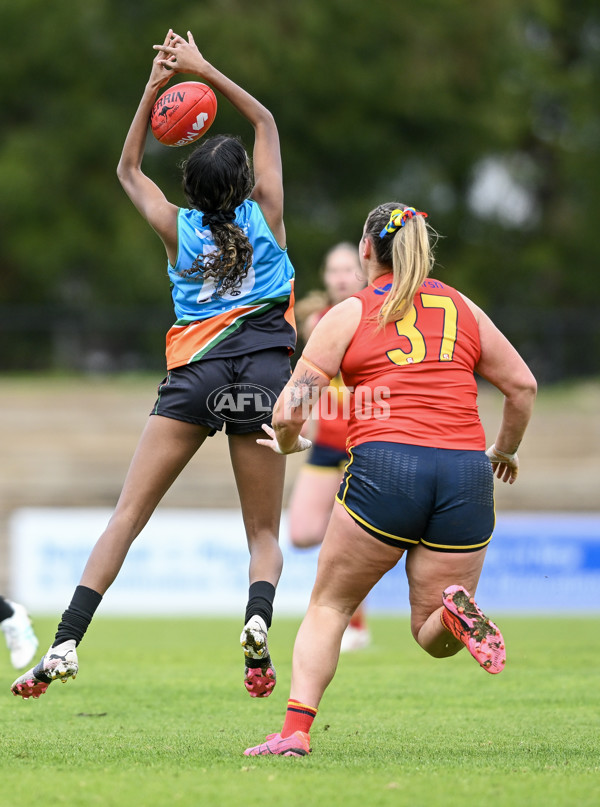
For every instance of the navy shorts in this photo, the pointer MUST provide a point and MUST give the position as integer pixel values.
(406, 495)
(238, 392)
(321, 456)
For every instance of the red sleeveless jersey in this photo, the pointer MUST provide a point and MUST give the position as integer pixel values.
(413, 381)
(331, 411)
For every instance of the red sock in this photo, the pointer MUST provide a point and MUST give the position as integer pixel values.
(358, 621)
(358, 618)
(443, 620)
(299, 717)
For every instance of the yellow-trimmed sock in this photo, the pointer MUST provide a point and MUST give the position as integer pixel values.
(299, 717)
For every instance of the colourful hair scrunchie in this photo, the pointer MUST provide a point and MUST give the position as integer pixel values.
(398, 218)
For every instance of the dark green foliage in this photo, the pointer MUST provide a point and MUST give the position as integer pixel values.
(374, 101)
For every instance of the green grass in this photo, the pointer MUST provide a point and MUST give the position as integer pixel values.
(159, 716)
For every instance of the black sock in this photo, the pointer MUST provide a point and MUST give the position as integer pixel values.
(76, 619)
(6, 610)
(260, 601)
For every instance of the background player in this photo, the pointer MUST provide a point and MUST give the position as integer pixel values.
(21, 640)
(318, 480)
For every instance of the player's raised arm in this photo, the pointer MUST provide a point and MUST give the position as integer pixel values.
(143, 192)
(184, 57)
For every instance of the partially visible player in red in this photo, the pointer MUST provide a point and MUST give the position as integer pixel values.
(419, 480)
(318, 480)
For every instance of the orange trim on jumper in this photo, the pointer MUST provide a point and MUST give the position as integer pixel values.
(289, 315)
(185, 342)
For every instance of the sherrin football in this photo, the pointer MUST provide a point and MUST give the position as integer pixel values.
(183, 113)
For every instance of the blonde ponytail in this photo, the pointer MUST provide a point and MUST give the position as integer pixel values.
(401, 241)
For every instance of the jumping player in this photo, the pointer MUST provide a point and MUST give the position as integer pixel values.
(232, 289)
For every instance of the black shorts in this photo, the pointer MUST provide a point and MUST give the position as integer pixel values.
(405, 495)
(238, 392)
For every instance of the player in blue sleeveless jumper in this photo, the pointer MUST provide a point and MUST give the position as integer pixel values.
(232, 288)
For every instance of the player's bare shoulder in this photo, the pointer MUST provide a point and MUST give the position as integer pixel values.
(473, 307)
(333, 333)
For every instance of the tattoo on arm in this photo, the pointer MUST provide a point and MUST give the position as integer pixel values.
(301, 389)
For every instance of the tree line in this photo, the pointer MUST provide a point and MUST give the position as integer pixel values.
(484, 115)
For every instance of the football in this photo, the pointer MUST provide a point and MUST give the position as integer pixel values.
(183, 113)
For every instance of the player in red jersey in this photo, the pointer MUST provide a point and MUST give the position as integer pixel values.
(419, 480)
(319, 479)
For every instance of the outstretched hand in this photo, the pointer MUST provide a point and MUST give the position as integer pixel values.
(302, 443)
(161, 69)
(179, 55)
(505, 466)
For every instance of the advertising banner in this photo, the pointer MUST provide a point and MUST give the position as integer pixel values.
(196, 562)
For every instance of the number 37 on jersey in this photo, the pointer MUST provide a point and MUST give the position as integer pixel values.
(407, 327)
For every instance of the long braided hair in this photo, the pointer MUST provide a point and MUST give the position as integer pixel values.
(217, 178)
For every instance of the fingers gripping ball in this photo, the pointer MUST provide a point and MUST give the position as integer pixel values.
(183, 113)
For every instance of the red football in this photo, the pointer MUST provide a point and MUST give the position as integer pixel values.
(183, 113)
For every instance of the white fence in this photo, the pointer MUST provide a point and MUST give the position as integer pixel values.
(196, 562)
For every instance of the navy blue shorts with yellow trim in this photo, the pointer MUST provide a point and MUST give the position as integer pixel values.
(406, 495)
(322, 456)
(237, 392)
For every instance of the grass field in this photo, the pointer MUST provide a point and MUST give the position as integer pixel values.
(159, 716)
